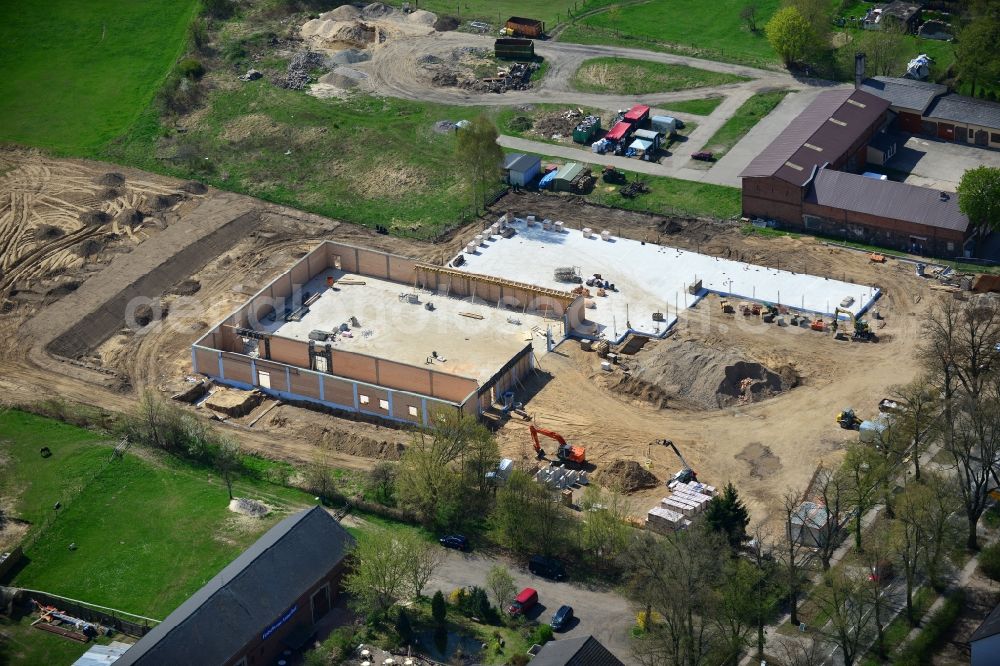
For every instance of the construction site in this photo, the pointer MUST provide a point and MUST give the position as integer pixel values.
(693, 342)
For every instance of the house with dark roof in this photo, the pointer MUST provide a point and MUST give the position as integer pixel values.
(921, 107)
(985, 641)
(582, 651)
(266, 601)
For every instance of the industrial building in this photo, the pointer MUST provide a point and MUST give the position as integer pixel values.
(265, 602)
(807, 179)
(363, 331)
(928, 109)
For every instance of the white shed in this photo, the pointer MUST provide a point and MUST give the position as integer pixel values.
(809, 523)
(520, 169)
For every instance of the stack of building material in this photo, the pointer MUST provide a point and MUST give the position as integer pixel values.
(559, 478)
(664, 521)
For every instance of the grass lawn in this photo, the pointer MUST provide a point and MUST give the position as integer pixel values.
(23, 644)
(699, 107)
(711, 30)
(496, 12)
(749, 114)
(625, 76)
(671, 196)
(365, 160)
(148, 531)
(77, 73)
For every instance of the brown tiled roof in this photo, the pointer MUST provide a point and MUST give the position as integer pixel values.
(888, 199)
(821, 133)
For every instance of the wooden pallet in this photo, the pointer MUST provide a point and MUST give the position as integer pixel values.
(59, 631)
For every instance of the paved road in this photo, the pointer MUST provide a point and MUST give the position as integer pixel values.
(605, 615)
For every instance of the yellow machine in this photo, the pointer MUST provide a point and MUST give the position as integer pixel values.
(860, 330)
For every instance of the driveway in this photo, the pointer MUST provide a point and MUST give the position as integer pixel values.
(605, 615)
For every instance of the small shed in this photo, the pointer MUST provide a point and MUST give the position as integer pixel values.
(881, 149)
(619, 132)
(640, 148)
(638, 114)
(652, 136)
(520, 169)
(808, 524)
(665, 124)
(563, 181)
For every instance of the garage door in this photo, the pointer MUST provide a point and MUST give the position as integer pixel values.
(982, 138)
(946, 131)
(962, 134)
(909, 122)
(929, 128)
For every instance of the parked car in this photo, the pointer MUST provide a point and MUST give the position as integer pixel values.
(562, 618)
(524, 602)
(547, 567)
(456, 541)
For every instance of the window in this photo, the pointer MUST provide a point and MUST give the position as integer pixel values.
(363, 399)
(812, 222)
(412, 410)
(383, 404)
(263, 379)
(951, 246)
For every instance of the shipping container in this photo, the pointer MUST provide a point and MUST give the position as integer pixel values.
(509, 48)
(525, 27)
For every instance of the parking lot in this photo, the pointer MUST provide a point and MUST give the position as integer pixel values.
(935, 163)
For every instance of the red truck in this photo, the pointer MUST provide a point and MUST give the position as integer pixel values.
(524, 601)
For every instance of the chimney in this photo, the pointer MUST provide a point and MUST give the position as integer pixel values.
(859, 69)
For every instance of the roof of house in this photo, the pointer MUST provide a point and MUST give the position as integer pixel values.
(582, 651)
(521, 162)
(822, 133)
(257, 588)
(904, 11)
(962, 109)
(888, 199)
(904, 93)
(989, 627)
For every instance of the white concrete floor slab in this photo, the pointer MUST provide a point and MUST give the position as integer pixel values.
(396, 329)
(652, 278)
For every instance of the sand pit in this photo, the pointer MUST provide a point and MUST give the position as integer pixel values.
(249, 507)
(233, 402)
(625, 476)
(700, 377)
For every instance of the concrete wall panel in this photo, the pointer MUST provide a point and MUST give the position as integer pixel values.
(292, 352)
(401, 269)
(374, 395)
(404, 377)
(452, 388)
(305, 383)
(355, 366)
(401, 404)
(236, 368)
(300, 273)
(338, 391)
(208, 361)
(279, 380)
(372, 263)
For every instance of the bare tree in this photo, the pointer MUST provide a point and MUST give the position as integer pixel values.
(975, 449)
(842, 597)
(878, 563)
(885, 50)
(832, 487)
(228, 462)
(800, 651)
(938, 511)
(422, 558)
(791, 555)
(908, 540)
(918, 416)
(749, 16)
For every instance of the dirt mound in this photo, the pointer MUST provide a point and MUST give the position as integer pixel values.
(557, 122)
(111, 179)
(422, 17)
(376, 10)
(186, 288)
(627, 476)
(109, 193)
(342, 13)
(350, 57)
(338, 80)
(89, 247)
(94, 217)
(702, 377)
(47, 232)
(162, 201)
(194, 187)
(249, 507)
(129, 217)
(446, 23)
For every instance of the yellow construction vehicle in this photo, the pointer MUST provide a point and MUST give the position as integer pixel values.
(848, 420)
(860, 331)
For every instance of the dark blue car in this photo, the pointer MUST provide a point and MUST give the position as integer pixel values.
(562, 618)
(456, 541)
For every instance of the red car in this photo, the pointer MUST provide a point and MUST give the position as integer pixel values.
(524, 602)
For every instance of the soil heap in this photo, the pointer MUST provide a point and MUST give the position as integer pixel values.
(626, 476)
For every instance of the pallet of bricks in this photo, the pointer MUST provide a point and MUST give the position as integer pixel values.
(676, 511)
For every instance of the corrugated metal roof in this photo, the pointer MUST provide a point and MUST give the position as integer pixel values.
(525, 163)
(649, 135)
(820, 134)
(641, 144)
(887, 198)
(569, 171)
(245, 598)
(510, 158)
(618, 132)
(582, 651)
(637, 112)
(904, 93)
(962, 109)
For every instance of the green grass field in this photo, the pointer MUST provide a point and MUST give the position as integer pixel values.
(699, 107)
(711, 30)
(625, 76)
(148, 531)
(496, 12)
(749, 114)
(77, 73)
(672, 196)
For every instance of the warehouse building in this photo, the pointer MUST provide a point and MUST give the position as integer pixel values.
(928, 109)
(807, 178)
(362, 331)
(265, 602)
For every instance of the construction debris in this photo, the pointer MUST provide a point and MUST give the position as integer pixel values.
(298, 75)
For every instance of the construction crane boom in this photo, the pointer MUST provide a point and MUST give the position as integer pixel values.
(683, 475)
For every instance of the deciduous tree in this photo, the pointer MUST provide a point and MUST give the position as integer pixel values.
(501, 585)
(842, 598)
(790, 34)
(979, 194)
(480, 156)
(378, 578)
(228, 463)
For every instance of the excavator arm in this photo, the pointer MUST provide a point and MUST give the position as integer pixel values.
(565, 452)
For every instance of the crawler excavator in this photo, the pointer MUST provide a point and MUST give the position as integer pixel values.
(566, 453)
(861, 331)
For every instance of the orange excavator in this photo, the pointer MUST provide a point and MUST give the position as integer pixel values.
(565, 453)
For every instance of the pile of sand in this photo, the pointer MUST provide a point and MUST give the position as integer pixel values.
(342, 13)
(376, 10)
(249, 507)
(338, 80)
(700, 377)
(111, 179)
(349, 57)
(423, 18)
(626, 476)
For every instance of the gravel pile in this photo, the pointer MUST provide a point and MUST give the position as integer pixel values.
(297, 77)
